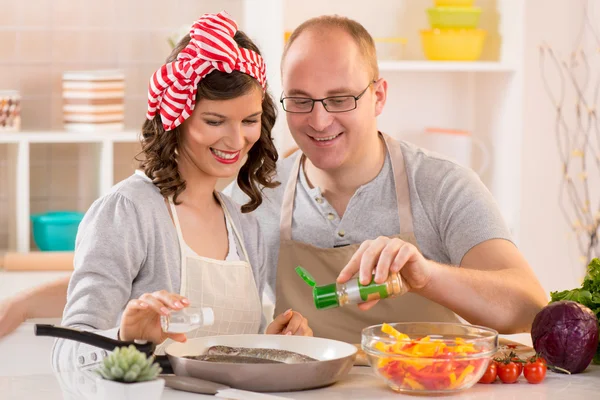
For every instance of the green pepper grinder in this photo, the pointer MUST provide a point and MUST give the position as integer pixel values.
(352, 292)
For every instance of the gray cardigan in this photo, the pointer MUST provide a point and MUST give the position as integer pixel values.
(127, 245)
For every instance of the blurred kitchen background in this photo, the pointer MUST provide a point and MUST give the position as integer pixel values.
(495, 97)
(40, 40)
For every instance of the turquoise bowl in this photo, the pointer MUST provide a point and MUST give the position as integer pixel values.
(56, 230)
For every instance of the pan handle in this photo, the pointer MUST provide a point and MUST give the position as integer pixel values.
(100, 341)
(90, 338)
(165, 364)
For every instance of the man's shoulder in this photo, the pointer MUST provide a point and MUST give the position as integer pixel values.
(425, 165)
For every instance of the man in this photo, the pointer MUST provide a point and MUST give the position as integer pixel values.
(355, 201)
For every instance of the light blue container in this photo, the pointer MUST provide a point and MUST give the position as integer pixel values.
(56, 230)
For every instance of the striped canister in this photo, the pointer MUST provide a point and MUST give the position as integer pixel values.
(94, 100)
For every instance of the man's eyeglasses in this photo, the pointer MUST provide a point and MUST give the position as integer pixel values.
(333, 104)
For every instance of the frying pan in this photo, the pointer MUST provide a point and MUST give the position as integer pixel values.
(334, 359)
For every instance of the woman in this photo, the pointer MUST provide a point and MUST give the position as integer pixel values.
(164, 238)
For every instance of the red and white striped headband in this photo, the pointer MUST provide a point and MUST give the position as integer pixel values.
(172, 89)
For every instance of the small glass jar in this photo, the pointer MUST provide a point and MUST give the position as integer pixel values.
(10, 111)
(352, 292)
(187, 319)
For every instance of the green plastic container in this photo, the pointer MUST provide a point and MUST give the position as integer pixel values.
(56, 230)
(454, 17)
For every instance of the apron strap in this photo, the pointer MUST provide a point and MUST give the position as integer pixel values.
(287, 206)
(401, 183)
(232, 223)
(182, 249)
(177, 225)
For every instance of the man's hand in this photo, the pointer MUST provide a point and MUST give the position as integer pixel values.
(384, 256)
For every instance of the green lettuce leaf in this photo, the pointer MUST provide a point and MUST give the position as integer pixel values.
(588, 294)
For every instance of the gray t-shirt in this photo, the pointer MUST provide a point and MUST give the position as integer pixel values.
(126, 246)
(452, 210)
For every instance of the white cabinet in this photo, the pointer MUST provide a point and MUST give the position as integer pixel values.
(96, 170)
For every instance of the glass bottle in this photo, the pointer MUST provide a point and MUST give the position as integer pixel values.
(187, 319)
(352, 292)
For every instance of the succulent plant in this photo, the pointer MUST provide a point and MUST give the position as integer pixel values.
(128, 364)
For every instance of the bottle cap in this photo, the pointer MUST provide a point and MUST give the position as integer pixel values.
(326, 296)
(208, 316)
(306, 276)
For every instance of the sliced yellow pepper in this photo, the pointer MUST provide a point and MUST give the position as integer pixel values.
(452, 379)
(461, 378)
(386, 328)
(417, 364)
(414, 384)
(381, 347)
(383, 362)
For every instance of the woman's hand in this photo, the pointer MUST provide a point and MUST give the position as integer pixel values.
(289, 323)
(141, 318)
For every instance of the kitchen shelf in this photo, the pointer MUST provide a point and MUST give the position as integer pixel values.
(444, 66)
(100, 150)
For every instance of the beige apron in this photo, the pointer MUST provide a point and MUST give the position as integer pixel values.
(325, 264)
(228, 287)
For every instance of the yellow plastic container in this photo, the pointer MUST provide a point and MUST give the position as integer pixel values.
(453, 44)
(454, 3)
(454, 17)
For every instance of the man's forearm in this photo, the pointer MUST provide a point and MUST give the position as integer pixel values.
(506, 300)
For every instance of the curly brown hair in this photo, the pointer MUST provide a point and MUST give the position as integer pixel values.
(160, 148)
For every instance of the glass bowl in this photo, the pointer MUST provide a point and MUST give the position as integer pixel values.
(429, 358)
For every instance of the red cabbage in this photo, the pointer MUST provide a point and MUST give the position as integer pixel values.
(565, 333)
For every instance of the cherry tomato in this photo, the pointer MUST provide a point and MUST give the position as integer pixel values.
(519, 365)
(490, 373)
(508, 372)
(540, 359)
(535, 371)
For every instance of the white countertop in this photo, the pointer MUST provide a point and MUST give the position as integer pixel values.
(359, 384)
(25, 373)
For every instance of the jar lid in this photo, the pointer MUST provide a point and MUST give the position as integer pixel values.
(208, 316)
